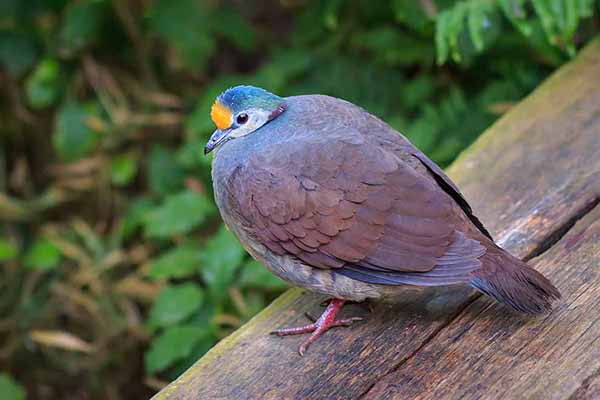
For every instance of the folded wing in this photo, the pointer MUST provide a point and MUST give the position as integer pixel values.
(346, 204)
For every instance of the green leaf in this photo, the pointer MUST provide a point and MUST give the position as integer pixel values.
(8, 251)
(417, 91)
(201, 347)
(539, 41)
(308, 29)
(441, 40)
(82, 24)
(560, 19)
(9, 10)
(174, 304)
(73, 138)
(230, 24)
(479, 21)
(17, 52)
(451, 36)
(284, 66)
(185, 26)
(123, 168)
(206, 314)
(393, 47)
(412, 14)
(331, 13)
(179, 214)
(221, 258)
(191, 154)
(516, 13)
(164, 173)
(10, 389)
(179, 262)
(42, 255)
(174, 344)
(543, 9)
(455, 28)
(425, 130)
(43, 86)
(136, 215)
(256, 276)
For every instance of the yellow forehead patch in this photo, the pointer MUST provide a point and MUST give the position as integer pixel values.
(221, 115)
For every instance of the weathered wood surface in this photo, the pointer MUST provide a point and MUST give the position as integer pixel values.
(530, 178)
(544, 358)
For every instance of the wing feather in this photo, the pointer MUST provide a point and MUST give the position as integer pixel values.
(351, 206)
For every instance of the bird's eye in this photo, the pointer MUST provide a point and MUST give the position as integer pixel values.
(242, 118)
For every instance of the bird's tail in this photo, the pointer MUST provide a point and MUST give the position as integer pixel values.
(514, 283)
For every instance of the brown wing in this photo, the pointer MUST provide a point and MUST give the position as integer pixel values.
(350, 205)
(393, 141)
(449, 187)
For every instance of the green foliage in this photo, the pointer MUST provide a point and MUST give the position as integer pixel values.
(123, 168)
(43, 86)
(185, 26)
(17, 52)
(179, 214)
(221, 258)
(73, 137)
(254, 275)
(178, 262)
(8, 251)
(174, 304)
(174, 344)
(475, 24)
(11, 389)
(165, 174)
(109, 230)
(42, 255)
(82, 24)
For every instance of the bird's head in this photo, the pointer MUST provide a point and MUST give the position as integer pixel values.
(240, 111)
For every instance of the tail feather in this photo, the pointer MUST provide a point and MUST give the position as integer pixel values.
(514, 283)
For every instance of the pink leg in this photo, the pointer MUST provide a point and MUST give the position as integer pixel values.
(326, 321)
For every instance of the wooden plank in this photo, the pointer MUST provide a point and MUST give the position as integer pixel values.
(487, 353)
(538, 165)
(589, 389)
(528, 176)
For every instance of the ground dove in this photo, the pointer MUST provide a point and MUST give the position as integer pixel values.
(330, 198)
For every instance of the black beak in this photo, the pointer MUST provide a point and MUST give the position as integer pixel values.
(216, 139)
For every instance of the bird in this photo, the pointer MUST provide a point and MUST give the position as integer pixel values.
(330, 198)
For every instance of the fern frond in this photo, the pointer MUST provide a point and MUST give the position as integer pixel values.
(475, 20)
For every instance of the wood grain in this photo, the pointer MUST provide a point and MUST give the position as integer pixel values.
(528, 178)
(488, 353)
(538, 166)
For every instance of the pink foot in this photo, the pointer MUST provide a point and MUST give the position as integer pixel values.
(325, 322)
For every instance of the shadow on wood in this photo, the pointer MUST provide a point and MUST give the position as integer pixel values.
(534, 179)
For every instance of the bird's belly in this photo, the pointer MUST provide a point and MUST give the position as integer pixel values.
(324, 281)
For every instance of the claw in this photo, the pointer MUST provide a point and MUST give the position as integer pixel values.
(310, 317)
(371, 307)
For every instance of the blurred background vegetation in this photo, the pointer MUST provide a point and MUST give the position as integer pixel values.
(117, 273)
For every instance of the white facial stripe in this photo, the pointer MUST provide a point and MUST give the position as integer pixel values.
(256, 119)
